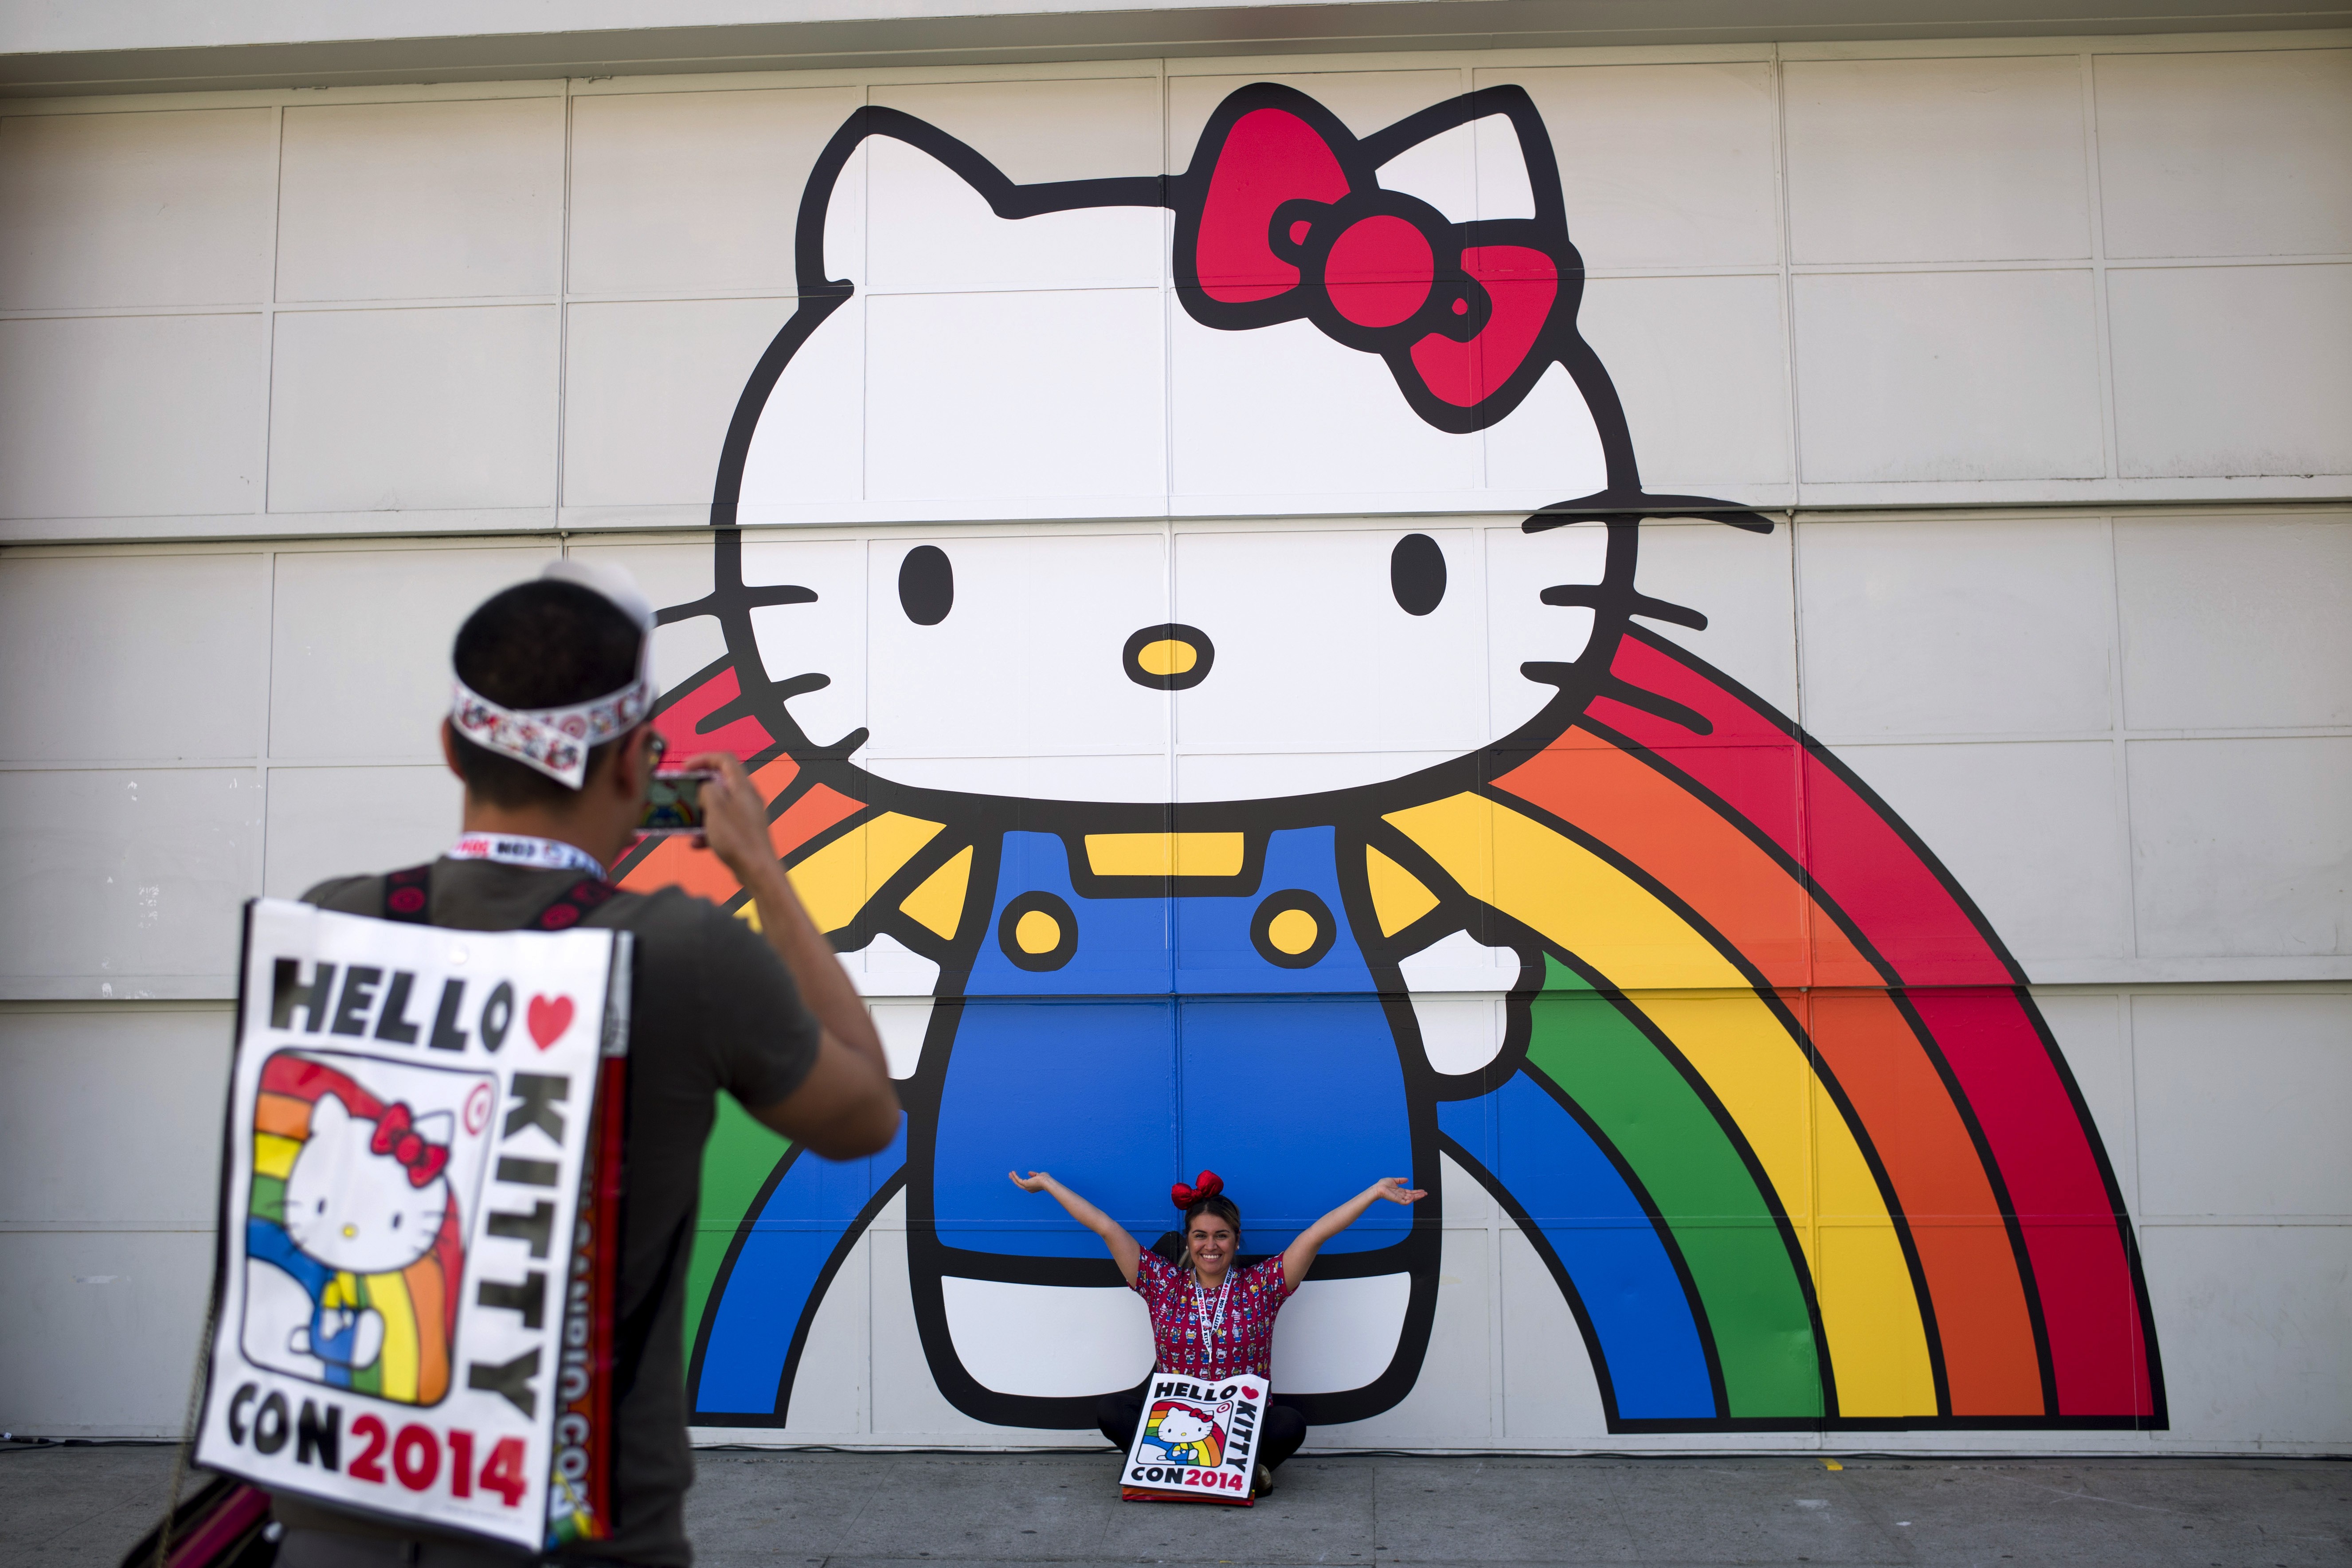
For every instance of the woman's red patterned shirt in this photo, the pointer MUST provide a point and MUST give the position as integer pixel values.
(1245, 1343)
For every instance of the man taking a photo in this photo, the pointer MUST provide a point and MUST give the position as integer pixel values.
(550, 729)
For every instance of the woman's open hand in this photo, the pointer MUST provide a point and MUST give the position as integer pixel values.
(1033, 1183)
(1393, 1189)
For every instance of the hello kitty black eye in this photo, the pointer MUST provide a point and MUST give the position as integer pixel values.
(1417, 574)
(395, 1220)
(925, 586)
(323, 1206)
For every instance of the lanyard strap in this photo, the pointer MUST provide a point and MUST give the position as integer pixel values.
(521, 849)
(1210, 1327)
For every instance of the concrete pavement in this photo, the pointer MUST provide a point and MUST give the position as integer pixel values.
(82, 1507)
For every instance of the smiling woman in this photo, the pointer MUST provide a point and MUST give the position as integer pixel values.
(1207, 1319)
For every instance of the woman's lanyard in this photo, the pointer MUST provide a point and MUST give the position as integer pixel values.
(1209, 1325)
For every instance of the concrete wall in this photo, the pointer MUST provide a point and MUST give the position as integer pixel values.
(2038, 352)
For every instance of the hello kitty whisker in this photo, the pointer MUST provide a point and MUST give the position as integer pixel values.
(1596, 595)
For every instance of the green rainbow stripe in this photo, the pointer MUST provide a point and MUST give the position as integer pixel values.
(1596, 1052)
(736, 1164)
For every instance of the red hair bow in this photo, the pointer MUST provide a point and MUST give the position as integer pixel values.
(1207, 1185)
(397, 1135)
(1283, 215)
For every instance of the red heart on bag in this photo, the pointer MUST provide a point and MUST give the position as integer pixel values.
(548, 1020)
(1247, 1392)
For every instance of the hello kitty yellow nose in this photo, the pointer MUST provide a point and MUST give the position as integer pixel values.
(1168, 657)
(351, 1231)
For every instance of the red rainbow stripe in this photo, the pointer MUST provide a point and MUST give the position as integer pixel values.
(1915, 932)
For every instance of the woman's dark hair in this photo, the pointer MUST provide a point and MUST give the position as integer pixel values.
(1176, 1246)
(541, 645)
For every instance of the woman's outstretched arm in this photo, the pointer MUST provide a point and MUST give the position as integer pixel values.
(1299, 1256)
(1123, 1250)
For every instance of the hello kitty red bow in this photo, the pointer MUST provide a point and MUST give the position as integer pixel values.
(397, 1135)
(1207, 1185)
(1283, 215)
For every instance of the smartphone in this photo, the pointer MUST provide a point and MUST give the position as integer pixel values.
(674, 805)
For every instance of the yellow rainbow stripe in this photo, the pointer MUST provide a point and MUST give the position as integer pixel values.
(1758, 1069)
(388, 1294)
(840, 879)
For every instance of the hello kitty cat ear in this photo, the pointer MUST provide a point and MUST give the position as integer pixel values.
(329, 1116)
(437, 1127)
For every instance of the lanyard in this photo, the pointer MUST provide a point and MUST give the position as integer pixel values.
(1209, 1326)
(520, 849)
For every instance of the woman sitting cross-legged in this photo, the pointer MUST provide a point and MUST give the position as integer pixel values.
(1207, 1321)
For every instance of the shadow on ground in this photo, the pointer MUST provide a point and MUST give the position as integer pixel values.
(82, 1508)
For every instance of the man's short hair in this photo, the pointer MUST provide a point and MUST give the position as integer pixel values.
(539, 644)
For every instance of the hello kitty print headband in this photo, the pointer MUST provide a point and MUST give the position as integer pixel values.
(556, 740)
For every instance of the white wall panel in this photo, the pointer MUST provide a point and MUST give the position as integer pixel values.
(2231, 370)
(1365, 102)
(130, 416)
(2235, 621)
(650, 387)
(2032, 830)
(170, 207)
(103, 1329)
(340, 822)
(393, 410)
(2093, 1032)
(676, 573)
(1311, 615)
(1285, 411)
(360, 645)
(2226, 155)
(1939, 627)
(1936, 159)
(2242, 1103)
(113, 884)
(829, 636)
(2242, 846)
(2261, 1315)
(808, 453)
(1079, 418)
(1551, 1395)
(1661, 165)
(150, 1078)
(1947, 375)
(1026, 665)
(404, 201)
(1702, 368)
(1745, 583)
(927, 231)
(1082, 128)
(694, 190)
(133, 657)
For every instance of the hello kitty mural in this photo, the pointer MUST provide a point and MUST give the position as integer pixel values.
(354, 1233)
(1767, 1096)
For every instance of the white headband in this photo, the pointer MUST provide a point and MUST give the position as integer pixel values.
(556, 740)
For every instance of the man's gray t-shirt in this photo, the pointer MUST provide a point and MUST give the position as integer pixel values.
(712, 1007)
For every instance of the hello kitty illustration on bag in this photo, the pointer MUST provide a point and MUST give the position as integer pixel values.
(363, 1175)
(1279, 692)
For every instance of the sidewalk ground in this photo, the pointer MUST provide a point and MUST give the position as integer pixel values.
(82, 1507)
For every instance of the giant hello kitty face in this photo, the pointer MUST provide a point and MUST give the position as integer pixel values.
(1077, 363)
(354, 1209)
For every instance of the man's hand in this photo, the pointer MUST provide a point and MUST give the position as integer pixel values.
(734, 817)
(846, 1106)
